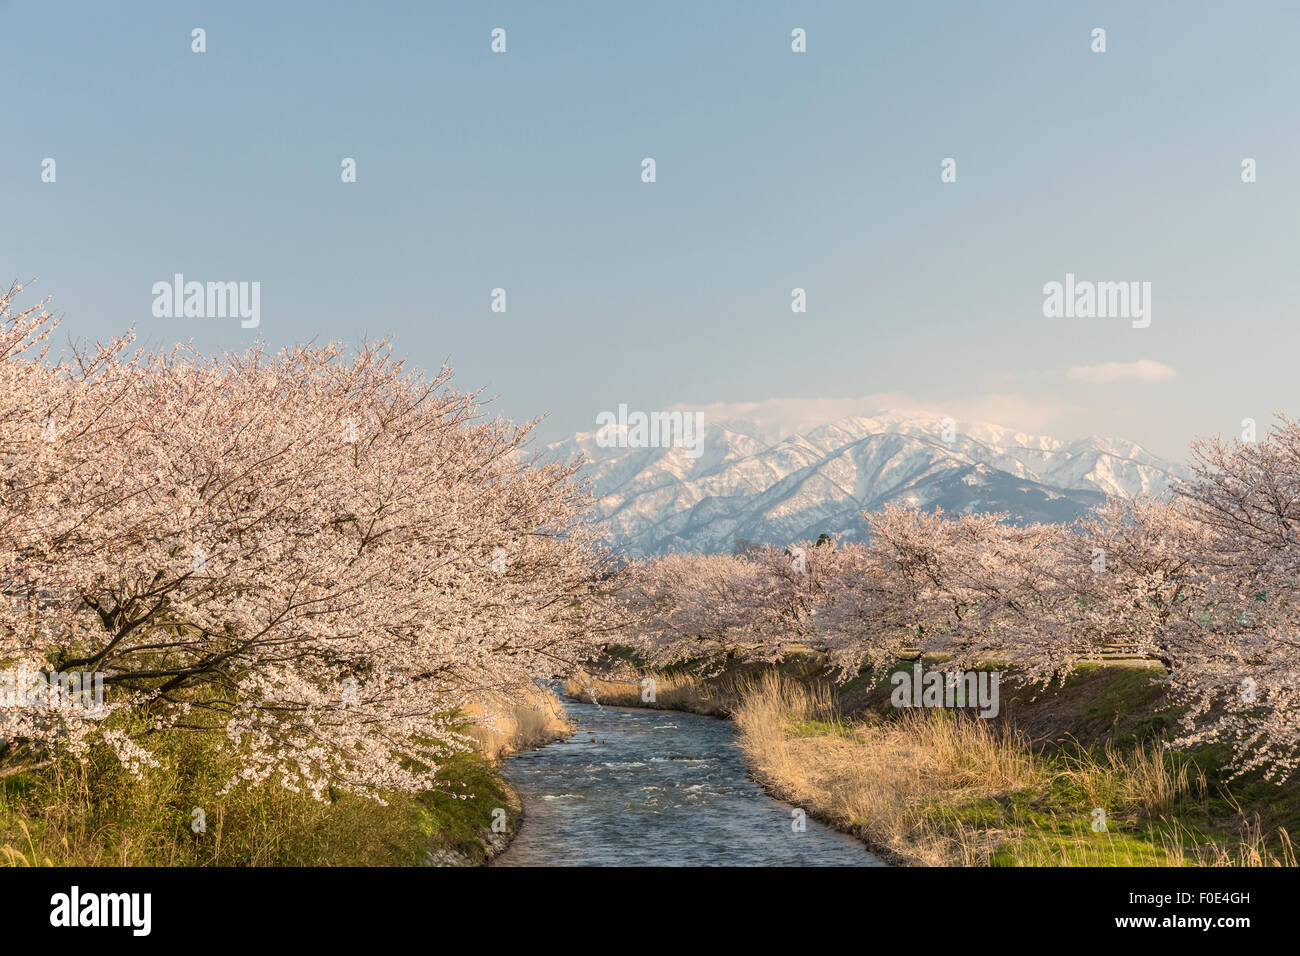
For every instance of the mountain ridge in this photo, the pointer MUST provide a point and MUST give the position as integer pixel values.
(755, 482)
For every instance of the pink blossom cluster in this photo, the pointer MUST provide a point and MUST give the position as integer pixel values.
(318, 552)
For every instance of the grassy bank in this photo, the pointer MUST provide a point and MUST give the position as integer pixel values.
(96, 814)
(1074, 775)
(669, 692)
(620, 682)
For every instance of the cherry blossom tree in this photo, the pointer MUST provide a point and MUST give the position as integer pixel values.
(695, 607)
(1205, 582)
(1236, 661)
(322, 554)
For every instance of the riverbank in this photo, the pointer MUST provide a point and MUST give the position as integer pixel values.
(634, 787)
(1074, 775)
(94, 813)
(489, 820)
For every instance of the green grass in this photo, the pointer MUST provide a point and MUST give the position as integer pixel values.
(1052, 824)
(96, 814)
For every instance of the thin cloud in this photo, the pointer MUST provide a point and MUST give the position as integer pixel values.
(1030, 412)
(1144, 370)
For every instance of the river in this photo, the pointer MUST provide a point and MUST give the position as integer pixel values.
(637, 787)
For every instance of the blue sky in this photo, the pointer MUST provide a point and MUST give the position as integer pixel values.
(775, 170)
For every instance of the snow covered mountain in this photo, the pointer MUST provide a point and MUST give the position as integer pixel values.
(753, 483)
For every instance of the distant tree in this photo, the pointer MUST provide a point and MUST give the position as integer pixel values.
(1207, 583)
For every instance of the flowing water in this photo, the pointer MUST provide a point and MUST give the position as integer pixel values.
(657, 788)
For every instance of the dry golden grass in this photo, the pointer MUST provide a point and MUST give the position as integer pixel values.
(26, 853)
(505, 724)
(934, 788)
(1146, 778)
(671, 692)
(879, 780)
(1253, 850)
